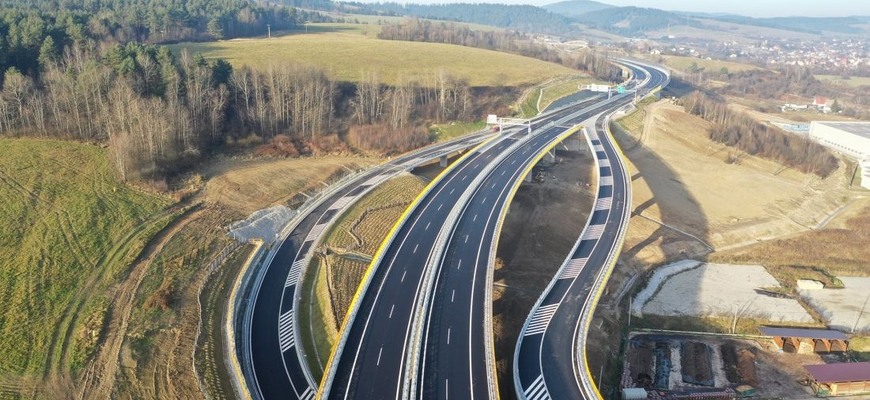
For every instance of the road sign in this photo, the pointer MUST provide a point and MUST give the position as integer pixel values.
(620, 89)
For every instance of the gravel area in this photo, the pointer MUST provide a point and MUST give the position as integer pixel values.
(842, 306)
(723, 290)
(262, 224)
(655, 282)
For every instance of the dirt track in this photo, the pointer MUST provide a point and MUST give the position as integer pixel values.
(98, 378)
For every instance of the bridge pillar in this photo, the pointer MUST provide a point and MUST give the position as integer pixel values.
(550, 157)
(573, 144)
(442, 162)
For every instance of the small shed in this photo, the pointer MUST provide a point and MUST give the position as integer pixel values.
(841, 379)
(805, 340)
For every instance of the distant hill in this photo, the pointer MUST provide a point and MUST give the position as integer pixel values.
(818, 25)
(637, 21)
(633, 21)
(573, 8)
(517, 17)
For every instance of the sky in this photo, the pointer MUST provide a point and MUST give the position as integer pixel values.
(752, 8)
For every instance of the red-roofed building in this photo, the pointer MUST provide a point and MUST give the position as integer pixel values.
(841, 379)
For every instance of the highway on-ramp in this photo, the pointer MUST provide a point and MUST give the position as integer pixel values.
(457, 359)
(550, 361)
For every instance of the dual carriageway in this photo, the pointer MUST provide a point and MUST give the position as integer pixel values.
(420, 325)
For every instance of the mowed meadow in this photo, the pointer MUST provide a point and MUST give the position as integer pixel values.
(349, 53)
(69, 228)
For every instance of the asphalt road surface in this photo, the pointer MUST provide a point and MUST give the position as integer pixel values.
(454, 352)
(371, 363)
(549, 358)
(275, 367)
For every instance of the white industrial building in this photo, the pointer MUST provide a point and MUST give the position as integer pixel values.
(849, 138)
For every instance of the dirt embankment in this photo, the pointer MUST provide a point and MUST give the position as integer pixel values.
(543, 222)
(691, 196)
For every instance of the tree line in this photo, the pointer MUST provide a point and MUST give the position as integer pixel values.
(525, 18)
(739, 130)
(415, 29)
(780, 83)
(159, 112)
(33, 31)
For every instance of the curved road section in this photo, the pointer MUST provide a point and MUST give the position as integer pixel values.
(457, 357)
(371, 359)
(550, 360)
(274, 366)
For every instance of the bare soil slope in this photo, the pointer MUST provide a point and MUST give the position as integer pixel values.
(542, 225)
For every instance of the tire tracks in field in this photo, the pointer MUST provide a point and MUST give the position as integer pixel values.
(98, 379)
(53, 358)
(62, 338)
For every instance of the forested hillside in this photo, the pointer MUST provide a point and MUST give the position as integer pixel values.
(632, 21)
(573, 8)
(817, 25)
(740, 130)
(93, 72)
(33, 33)
(516, 17)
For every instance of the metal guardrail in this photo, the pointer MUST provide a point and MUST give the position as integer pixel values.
(302, 212)
(297, 298)
(586, 384)
(517, 384)
(604, 274)
(331, 368)
(412, 363)
(449, 226)
(237, 377)
(251, 278)
(332, 365)
(490, 349)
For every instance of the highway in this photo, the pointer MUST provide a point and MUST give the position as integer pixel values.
(550, 361)
(277, 367)
(379, 355)
(370, 362)
(457, 354)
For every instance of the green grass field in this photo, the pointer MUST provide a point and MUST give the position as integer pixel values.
(634, 122)
(681, 64)
(69, 227)
(547, 93)
(334, 278)
(445, 132)
(853, 81)
(564, 88)
(347, 54)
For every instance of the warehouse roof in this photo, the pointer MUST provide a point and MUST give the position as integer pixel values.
(840, 372)
(856, 128)
(804, 333)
